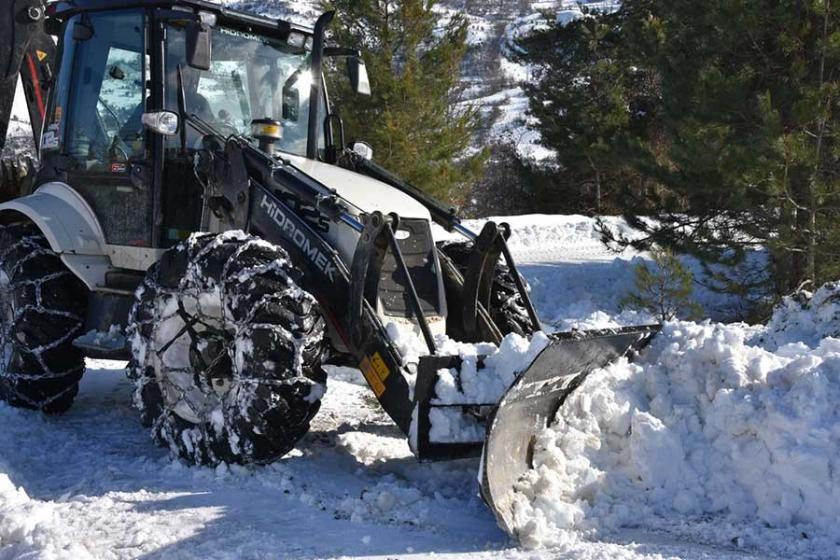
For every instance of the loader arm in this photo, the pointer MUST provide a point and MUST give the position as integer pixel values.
(347, 295)
(328, 279)
(28, 52)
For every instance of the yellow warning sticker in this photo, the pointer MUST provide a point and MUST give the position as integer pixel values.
(373, 379)
(379, 366)
(41, 55)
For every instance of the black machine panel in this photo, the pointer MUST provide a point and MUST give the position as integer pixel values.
(418, 249)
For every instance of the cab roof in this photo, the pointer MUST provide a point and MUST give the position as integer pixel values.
(225, 16)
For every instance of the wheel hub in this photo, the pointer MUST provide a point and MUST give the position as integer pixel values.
(194, 367)
(210, 359)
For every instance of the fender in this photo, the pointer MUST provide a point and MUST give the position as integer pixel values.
(70, 226)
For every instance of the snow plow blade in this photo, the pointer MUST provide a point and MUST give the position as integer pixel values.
(532, 402)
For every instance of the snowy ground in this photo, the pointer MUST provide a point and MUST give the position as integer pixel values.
(92, 484)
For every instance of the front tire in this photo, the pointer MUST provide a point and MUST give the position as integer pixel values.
(42, 309)
(226, 351)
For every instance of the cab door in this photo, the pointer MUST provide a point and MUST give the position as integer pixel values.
(94, 122)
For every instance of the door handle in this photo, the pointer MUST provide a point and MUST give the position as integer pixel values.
(139, 175)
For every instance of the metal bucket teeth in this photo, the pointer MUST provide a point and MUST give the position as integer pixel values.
(532, 402)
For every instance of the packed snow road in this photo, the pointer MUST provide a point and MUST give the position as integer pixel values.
(91, 484)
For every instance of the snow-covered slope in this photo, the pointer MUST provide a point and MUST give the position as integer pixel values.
(492, 79)
(577, 282)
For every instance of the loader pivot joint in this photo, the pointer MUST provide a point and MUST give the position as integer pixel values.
(488, 247)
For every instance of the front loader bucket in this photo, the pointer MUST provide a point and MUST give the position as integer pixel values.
(532, 402)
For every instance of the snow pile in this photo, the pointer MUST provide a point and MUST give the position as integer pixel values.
(485, 374)
(481, 380)
(21, 519)
(390, 498)
(708, 435)
(486, 382)
(805, 317)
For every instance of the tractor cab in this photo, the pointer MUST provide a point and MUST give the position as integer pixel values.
(128, 78)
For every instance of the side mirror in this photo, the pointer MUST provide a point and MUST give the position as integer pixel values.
(363, 149)
(161, 122)
(199, 46)
(357, 72)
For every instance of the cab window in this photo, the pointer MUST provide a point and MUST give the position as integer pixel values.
(103, 98)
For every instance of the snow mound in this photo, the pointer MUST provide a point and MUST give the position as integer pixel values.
(805, 317)
(708, 435)
(485, 383)
(486, 372)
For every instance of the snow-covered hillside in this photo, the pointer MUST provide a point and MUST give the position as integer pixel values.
(720, 442)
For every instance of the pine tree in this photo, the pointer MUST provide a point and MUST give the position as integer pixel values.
(587, 101)
(723, 124)
(665, 289)
(413, 119)
(748, 97)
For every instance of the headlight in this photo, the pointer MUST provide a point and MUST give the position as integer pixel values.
(162, 122)
(208, 18)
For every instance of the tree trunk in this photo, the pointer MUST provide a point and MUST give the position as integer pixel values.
(804, 238)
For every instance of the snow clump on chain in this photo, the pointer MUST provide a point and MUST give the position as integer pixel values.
(712, 422)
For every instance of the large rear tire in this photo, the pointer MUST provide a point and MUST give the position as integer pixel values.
(226, 351)
(42, 309)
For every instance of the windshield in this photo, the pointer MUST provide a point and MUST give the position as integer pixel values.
(250, 78)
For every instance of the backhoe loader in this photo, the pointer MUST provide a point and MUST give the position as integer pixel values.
(196, 210)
